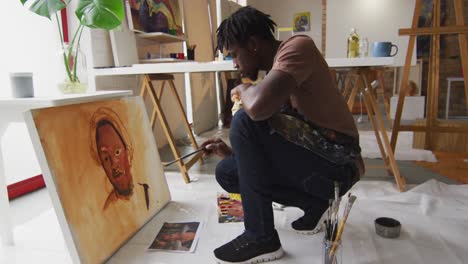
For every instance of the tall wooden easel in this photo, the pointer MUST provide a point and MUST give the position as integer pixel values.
(433, 81)
(157, 111)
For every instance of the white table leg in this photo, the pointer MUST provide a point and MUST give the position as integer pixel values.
(6, 227)
(219, 100)
(447, 102)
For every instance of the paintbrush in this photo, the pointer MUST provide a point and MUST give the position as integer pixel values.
(342, 223)
(335, 207)
(183, 157)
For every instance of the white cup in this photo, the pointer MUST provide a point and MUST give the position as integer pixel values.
(22, 84)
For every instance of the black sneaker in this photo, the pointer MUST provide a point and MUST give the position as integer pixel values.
(246, 250)
(309, 224)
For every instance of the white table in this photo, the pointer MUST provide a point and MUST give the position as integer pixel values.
(11, 110)
(227, 65)
(450, 80)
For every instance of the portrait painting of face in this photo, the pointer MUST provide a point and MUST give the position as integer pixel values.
(114, 158)
(102, 170)
(114, 154)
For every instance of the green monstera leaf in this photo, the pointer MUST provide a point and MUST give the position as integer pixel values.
(46, 8)
(105, 14)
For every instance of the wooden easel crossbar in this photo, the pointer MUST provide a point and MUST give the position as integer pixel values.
(435, 31)
(157, 112)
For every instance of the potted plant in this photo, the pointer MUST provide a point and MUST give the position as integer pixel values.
(103, 14)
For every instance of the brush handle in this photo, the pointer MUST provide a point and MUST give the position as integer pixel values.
(338, 237)
(185, 156)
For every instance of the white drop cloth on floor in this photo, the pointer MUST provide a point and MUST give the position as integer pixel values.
(434, 219)
(404, 148)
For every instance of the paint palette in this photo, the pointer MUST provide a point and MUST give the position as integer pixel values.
(230, 208)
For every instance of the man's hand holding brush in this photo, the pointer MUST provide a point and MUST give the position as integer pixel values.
(216, 146)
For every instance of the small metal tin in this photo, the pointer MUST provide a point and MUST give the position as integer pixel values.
(387, 227)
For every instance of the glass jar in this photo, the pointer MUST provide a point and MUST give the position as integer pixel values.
(331, 252)
(363, 47)
(73, 75)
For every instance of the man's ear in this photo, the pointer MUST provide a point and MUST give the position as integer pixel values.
(253, 44)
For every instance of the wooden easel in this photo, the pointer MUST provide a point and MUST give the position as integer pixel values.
(362, 84)
(433, 83)
(157, 111)
(353, 77)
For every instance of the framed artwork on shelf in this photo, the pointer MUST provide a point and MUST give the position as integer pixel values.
(106, 181)
(155, 16)
(301, 22)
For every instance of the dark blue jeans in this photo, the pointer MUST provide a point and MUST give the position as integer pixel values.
(266, 168)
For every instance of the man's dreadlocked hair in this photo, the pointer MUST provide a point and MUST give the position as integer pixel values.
(241, 25)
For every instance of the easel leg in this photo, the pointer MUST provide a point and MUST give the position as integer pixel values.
(381, 80)
(165, 125)
(354, 92)
(462, 42)
(371, 116)
(404, 79)
(184, 119)
(349, 78)
(433, 88)
(380, 128)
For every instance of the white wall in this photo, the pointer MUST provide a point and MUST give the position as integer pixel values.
(282, 13)
(378, 20)
(29, 43)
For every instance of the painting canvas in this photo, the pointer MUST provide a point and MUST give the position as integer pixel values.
(425, 20)
(155, 16)
(301, 22)
(102, 170)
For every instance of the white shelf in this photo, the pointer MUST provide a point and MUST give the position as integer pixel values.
(180, 67)
(161, 37)
(161, 60)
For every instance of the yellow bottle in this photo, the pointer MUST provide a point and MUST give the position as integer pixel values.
(353, 44)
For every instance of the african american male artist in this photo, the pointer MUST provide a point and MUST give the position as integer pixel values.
(291, 141)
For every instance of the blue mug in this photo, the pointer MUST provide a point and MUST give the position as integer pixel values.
(382, 49)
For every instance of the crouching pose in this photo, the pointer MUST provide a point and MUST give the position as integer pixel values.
(291, 141)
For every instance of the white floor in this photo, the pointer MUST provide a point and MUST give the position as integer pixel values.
(433, 215)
